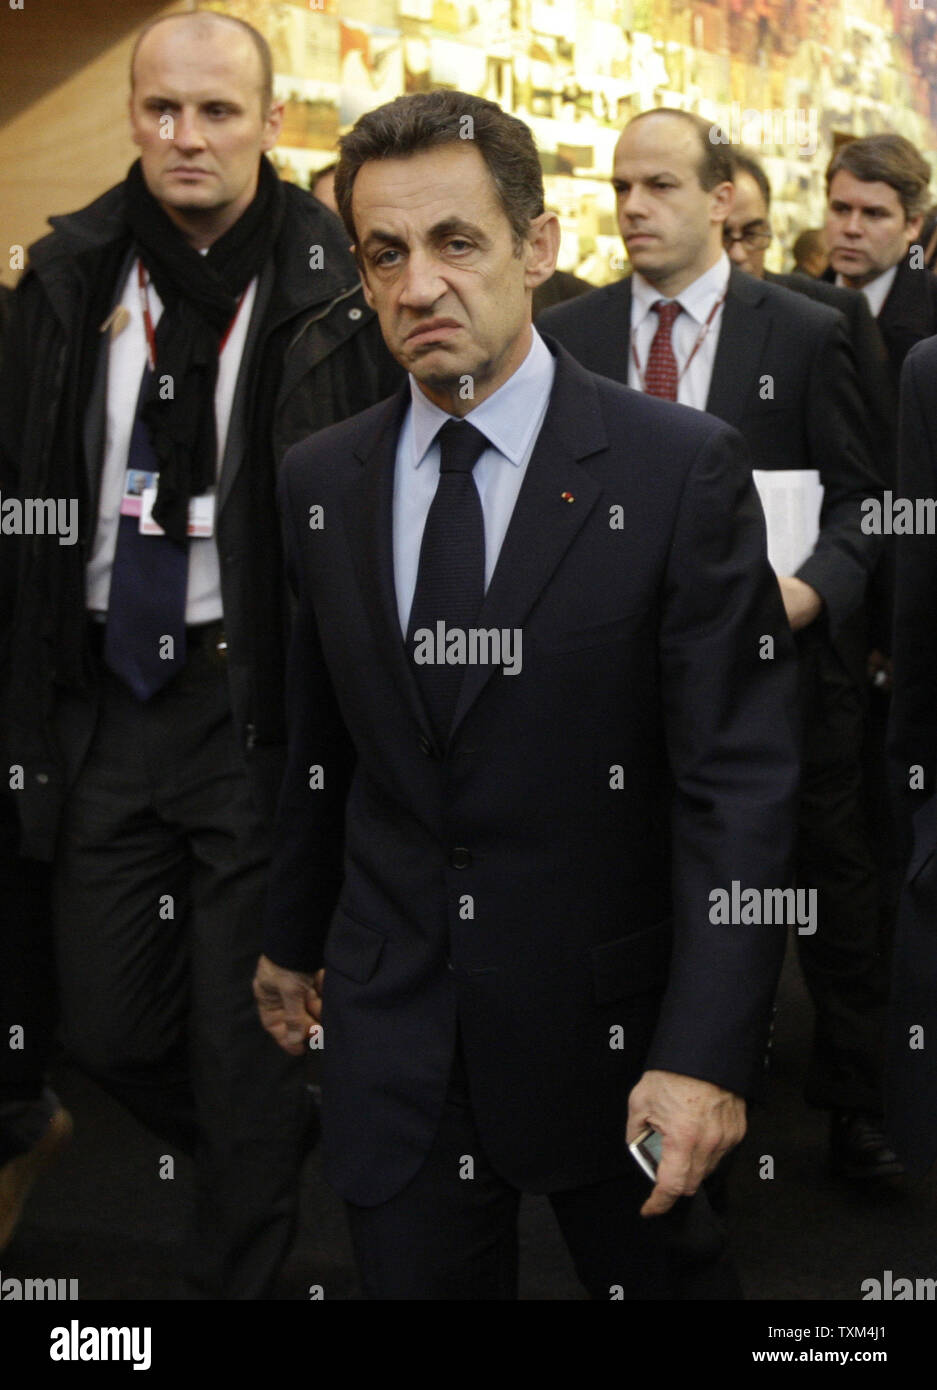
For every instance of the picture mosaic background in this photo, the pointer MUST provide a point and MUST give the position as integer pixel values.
(804, 71)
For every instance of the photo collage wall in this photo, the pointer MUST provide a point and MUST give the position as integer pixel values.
(780, 76)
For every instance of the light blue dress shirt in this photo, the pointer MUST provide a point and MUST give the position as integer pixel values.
(511, 419)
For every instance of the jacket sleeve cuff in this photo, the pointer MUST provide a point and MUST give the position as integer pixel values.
(841, 586)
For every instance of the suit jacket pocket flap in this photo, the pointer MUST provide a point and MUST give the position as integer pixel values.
(594, 635)
(353, 948)
(631, 964)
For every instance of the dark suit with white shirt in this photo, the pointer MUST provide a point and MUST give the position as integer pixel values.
(908, 313)
(516, 925)
(783, 374)
(158, 813)
(912, 1073)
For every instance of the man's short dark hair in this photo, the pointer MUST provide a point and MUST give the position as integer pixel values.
(321, 173)
(715, 164)
(426, 120)
(746, 163)
(810, 242)
(887, 159)
(206, 17)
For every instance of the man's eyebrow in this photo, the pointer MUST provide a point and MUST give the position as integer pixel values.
(154, 99)
(451, 225)
(378, 237)
(648, 178)
(447, 227)
(863, 207)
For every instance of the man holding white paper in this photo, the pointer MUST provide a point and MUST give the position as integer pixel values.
(689, 326)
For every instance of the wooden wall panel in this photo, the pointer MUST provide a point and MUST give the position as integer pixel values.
(71, 141)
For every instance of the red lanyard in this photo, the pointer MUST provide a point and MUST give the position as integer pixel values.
(148, 320)
(696, 346)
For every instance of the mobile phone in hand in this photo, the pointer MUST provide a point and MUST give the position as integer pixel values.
(646, 1150)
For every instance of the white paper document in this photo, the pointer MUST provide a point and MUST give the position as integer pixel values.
(791, 498)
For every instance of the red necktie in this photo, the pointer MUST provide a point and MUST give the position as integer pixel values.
(660, 377)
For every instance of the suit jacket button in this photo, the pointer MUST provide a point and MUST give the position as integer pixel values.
(459, 858)
(426, 745)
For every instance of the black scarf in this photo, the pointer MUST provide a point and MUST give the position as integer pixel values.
(61, 577)
(200, 297)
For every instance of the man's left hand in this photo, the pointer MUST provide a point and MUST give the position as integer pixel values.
(699, 1123)
(802, 604)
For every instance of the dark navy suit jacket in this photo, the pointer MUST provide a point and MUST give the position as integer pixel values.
(547, 877)
(814, 416)
(911, 1092)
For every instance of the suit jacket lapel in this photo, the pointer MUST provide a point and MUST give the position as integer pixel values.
(611, 327)
(542, 526)
(907, 314)
(369, 521)
(544, 523)
(94, 424)
(734, 381)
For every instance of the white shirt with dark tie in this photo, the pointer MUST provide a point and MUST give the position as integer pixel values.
(511, 419)
(698, 301)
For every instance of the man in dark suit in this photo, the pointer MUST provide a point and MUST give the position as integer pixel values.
(561, 286)
(507, 863)
(911, 1094)
(749, 228)
(34, 1125)
(747, 238)
(878, 193)
(779, 368)
(145, 679)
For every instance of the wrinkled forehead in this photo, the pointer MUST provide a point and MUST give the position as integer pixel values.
(450, 184)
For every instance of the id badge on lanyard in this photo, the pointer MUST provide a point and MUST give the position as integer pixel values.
(141, 487)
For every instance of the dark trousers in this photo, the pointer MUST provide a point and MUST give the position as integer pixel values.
(451, 1234)
(27, 993)
(843, 966)
(887, 848)
(159, 891)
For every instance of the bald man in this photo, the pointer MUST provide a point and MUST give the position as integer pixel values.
(779, 368)
(173, 339)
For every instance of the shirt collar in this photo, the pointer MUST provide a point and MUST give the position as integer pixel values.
(697, 299)
(876, 291)
(507, 418)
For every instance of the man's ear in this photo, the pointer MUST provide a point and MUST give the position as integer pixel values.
(133, 124)
(723, 200)
(542, 249)
(272, 126)
(913, 227)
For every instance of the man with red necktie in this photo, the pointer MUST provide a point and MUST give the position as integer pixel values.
(689, 326)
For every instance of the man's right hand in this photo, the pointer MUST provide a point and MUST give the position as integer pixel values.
(289, 1003)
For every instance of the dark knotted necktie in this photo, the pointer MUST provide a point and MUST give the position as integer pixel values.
(450, 583)
(148, 589)
(660, 377)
